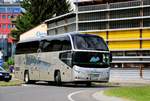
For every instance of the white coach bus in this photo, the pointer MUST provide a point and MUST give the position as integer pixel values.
(71, 57)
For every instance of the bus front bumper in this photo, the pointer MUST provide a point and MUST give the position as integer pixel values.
(91, 74)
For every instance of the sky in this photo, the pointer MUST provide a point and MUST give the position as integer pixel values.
(10, 0)
(71, 1)
(73, 6)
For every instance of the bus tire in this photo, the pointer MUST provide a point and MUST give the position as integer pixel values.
(58, 78)
(26, 77)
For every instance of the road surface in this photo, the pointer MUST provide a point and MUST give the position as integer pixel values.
(45, 92)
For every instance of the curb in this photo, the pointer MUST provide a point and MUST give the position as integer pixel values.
(99, 96)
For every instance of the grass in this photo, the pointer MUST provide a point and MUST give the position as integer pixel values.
(141, 93)
(11, 83)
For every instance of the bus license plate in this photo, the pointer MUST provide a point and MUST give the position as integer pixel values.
(6, 76)
(94, 76)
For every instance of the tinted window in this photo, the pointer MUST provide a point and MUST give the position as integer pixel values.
(89, 42)
(52, 45)
(66, 57)
(27, 47)
(91, 59)
(66, 44)
(58, 44)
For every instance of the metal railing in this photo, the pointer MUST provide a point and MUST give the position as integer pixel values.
(125, 13)
(93, 7)
(92, 16)
(125, 4)
(146, 2)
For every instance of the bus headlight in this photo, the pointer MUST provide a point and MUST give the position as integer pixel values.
(79, 74)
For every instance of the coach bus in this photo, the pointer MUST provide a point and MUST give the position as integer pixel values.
(70, 57)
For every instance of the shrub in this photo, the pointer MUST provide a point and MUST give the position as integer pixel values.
(10, 61)
(6, 66)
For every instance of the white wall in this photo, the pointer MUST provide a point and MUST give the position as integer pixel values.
(36, 32)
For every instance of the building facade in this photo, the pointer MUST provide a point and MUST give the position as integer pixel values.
(36, 32)
(124, 25)
(10, 1)
(8, 12)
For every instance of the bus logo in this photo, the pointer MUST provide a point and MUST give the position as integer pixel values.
(94, 59)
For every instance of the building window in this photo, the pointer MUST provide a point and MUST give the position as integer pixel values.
(3, 16)
(9, 17)
(146, 53)
(132, 53)
(116, 53)
(4, 26)
(9, 26)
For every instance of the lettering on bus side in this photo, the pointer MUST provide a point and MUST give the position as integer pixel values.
(35, 61)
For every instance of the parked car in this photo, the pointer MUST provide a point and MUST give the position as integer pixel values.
(4, 75)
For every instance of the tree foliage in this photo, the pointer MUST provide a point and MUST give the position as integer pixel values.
(38, 11)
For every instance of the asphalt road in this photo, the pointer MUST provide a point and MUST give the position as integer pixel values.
(45, 92)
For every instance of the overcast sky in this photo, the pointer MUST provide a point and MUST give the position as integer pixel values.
(71, 1)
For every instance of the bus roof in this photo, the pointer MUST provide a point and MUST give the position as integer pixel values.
(52, 36)
(46, 37)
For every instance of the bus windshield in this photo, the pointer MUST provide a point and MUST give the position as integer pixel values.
(89, 42)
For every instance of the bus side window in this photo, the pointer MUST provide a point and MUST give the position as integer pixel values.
(33, 47)
(27, 47)
(53, 45)
(18, 49)
(47, 46)
(56, 45)
(66, 45)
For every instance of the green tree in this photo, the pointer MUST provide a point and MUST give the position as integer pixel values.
(23, 23)
(62, 7)
(38, 11)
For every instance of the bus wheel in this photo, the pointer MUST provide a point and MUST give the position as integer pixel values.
(26, 77)
(58, 78)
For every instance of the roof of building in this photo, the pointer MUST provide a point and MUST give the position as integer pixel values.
(93, 2)
(9, 4)
(11, 8)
